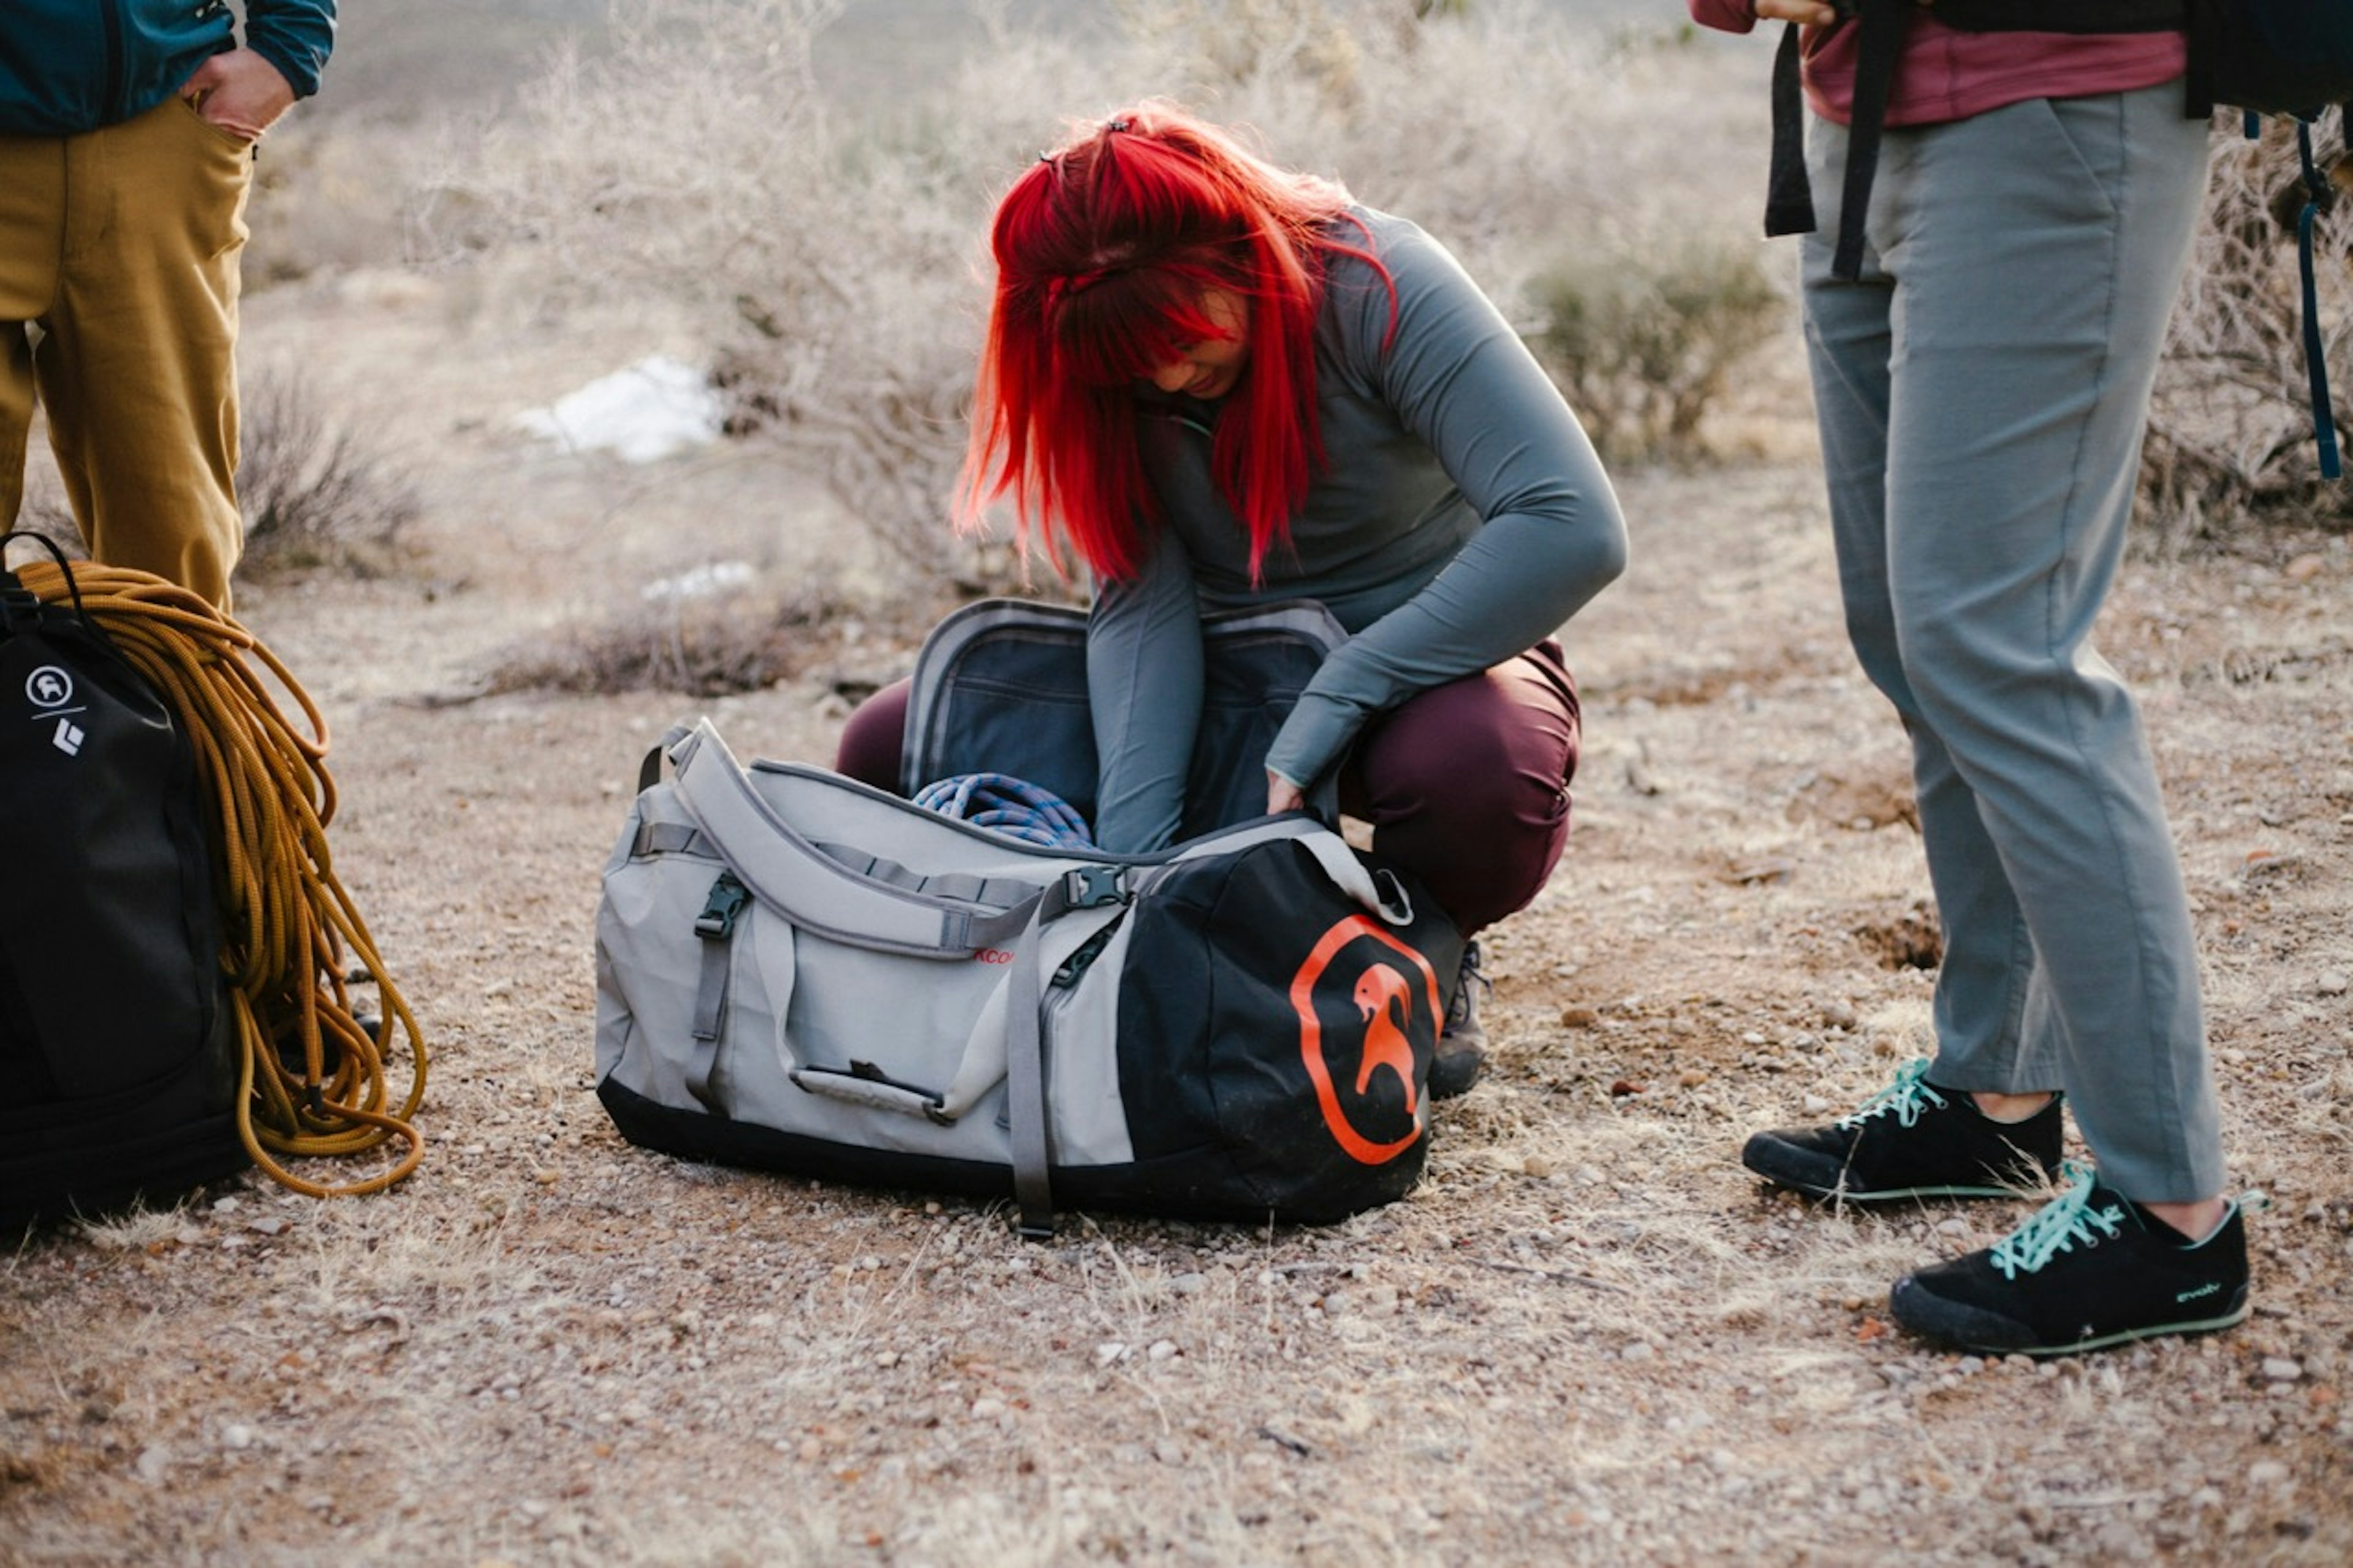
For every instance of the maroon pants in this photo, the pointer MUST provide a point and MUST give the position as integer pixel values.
(1466, 785)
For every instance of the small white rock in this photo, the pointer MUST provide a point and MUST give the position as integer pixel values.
(2279, 1369)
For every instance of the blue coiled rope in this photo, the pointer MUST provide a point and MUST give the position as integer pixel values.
(1007, 805)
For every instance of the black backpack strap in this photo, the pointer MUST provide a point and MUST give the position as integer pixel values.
(2317, 197)
(1788, 194)
(2205, 28)
(1878, 44)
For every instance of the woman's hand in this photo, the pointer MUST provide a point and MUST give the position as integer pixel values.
(1812, 13)
(1283, 796)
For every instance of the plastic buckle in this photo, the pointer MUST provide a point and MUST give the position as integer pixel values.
(717, 920)
(1091, 887)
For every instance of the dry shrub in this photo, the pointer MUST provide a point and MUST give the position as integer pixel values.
(1645, 351)
(2231, 431)
(836, 254)
(707, 647)
(314, 493)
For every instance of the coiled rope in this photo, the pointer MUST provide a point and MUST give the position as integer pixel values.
(286, 923)
(1000, 801)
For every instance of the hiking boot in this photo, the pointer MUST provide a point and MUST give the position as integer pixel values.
(2090, 1268)
(1912, 1139)
(1463, 1043)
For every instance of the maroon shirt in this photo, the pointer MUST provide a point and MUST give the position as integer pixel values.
(1945, 74)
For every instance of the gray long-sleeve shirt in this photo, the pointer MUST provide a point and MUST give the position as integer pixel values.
(1462, 517)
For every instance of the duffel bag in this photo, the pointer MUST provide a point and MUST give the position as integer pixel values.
(798, 973)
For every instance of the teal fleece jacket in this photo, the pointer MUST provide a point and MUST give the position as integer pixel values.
(67, 67)
(1462, 517)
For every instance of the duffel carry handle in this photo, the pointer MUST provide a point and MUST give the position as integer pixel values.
(1380, 892)
(786, 872)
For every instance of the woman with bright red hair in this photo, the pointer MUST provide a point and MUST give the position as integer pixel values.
(1222, 384)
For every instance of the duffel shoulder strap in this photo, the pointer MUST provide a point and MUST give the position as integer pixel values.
(786, 872)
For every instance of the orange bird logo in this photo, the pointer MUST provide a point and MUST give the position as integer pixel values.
(1385, 1003)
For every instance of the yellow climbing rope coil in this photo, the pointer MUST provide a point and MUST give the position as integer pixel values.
(286, 923)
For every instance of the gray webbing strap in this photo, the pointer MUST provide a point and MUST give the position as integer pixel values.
(716, 928)
(1102, 889)
(1352, 877)
(995, 893)
(662, 838)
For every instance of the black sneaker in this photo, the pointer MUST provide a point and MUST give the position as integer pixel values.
(1912, 1139)
(1463, 1043)
(2090, 1268)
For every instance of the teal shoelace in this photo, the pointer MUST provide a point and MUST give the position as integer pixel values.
(1907, 1097)
(2058, 1226)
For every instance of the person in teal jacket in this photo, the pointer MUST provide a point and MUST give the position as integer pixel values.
(127, 130)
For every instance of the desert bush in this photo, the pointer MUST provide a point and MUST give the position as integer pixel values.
(706, 645)
(312, 492)
(2230, 428)
(1645, 344)
(835, 254)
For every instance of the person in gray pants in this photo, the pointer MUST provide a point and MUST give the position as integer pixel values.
(1981, 384)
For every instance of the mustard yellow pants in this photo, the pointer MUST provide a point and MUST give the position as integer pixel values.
(119, 262)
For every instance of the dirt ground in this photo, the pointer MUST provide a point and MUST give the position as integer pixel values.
(1587, 1337)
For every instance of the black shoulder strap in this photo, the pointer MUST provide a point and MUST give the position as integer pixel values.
(1788, 194)
(1879, 42)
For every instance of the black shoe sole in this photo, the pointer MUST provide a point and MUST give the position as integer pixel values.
(1963, 1327)
(1786, 1165)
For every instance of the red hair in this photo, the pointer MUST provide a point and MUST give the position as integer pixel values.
(1105, 251)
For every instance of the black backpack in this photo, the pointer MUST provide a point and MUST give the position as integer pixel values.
(2292, 57)
(117, 1065)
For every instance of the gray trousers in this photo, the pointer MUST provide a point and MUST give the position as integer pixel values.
(1981, 392)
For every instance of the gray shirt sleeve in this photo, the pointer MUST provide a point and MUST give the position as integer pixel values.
(1550, 534)
(1144, 689)
(1461, 517)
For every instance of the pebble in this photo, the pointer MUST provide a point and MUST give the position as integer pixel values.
(2266, 1473)
(2333, 984)
(2279, 1369)
(1109, 1352)
(1815, 1105)
(1189, 1284)
(237, 1435)
(1641, 1349)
